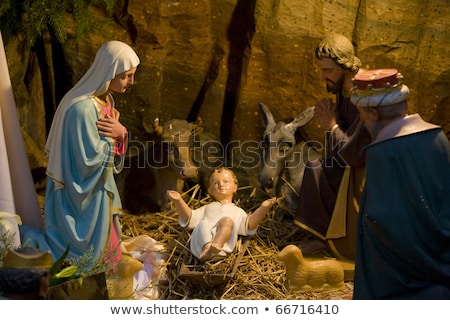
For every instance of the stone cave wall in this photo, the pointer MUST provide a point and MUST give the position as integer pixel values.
(216, 59)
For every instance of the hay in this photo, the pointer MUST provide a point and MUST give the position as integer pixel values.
(252, 272)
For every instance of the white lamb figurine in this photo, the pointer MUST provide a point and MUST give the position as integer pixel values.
(314, 275)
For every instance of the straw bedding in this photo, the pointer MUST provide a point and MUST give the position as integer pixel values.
(252, 272)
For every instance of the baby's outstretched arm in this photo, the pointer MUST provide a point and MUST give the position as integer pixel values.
(258, 215)
(182, 208)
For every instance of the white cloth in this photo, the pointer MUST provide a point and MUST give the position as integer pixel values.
(153, 256)
(204, 221)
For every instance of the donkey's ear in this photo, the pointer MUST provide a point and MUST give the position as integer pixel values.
(266, 115)
(303, 118)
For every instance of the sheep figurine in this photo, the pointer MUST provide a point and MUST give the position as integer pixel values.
(310, 275)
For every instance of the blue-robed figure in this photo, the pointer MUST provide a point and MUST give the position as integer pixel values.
(403, 236)
(84, 149)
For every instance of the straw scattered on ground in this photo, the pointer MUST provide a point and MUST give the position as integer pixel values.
(252, 272)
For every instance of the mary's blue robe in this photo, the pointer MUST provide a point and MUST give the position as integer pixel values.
(80, 211)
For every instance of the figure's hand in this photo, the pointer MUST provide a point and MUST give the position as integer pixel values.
(173, 195)
(115, 114)
(325, 111)
(111, 127)
(267, 204)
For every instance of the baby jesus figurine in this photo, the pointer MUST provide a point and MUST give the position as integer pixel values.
(216, 226)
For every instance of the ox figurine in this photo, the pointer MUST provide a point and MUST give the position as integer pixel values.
(284, 159)
(164, 163)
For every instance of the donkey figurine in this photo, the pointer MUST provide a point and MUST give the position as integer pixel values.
(284, 159)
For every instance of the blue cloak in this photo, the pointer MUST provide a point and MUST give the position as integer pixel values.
(403, 239)
(81, 211)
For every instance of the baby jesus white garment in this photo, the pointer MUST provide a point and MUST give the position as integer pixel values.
(204, 222)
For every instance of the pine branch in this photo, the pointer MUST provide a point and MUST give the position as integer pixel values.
(32, 17)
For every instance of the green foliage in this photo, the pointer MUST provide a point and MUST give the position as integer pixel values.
(6, 243)
(64, 270)
(88, 265)
(31, 18)
(9, 17)
(60, 273)
(58, 264)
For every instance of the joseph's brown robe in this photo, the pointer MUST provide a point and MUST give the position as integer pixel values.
(343, 161)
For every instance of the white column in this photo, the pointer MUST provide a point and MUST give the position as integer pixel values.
(23, 198)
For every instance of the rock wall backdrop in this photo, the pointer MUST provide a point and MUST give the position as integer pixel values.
(216, 59)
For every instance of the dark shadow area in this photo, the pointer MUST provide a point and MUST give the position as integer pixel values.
(123, 18)
(240, 34)
(211, 76)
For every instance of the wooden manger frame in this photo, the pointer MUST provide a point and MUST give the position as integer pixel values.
(197, 272)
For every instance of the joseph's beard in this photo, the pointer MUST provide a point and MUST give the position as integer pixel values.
(334, 87)
(331, 88)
